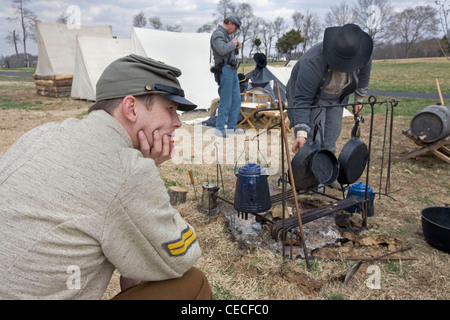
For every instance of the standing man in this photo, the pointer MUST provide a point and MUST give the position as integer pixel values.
(327, 74)
(224, 50)
(81, 198)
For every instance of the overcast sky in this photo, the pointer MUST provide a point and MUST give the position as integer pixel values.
(190, 14)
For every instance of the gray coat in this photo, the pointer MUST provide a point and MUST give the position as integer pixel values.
(223, 48)
(309, 77)
(76, 202)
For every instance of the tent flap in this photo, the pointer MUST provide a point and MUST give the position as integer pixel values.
(189, 52)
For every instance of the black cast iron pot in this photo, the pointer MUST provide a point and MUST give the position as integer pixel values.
(313, 165)
(436, 227)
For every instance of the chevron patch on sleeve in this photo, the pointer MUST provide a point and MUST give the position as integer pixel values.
(180, 246)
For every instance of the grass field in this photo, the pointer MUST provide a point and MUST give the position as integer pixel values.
(402, 75)
(241, 270)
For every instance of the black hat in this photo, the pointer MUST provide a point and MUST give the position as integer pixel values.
(260, 59)
(347, 48)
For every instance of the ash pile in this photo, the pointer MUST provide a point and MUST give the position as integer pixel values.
(255, 231)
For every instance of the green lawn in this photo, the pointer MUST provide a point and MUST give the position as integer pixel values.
(411, 75)
(404, 75)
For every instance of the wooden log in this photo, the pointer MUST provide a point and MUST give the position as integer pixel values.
(177, 195)
(53, 77)
(63, 76)
(53, 83)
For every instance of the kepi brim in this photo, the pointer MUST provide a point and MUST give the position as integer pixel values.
(183, 104)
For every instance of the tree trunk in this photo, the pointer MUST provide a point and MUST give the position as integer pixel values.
(15, 42)
(177, 195)
(27, 63)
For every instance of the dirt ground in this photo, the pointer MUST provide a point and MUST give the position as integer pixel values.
(253, 267)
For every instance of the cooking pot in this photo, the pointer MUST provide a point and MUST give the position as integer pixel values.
(353, 157)
(436, 227)
(313, 165)
(252, 194)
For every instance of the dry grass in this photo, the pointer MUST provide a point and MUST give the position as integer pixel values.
(239, 271)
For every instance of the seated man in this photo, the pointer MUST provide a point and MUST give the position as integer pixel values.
(81, 198)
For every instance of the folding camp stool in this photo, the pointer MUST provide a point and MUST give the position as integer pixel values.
(254, 99)
(271, 118)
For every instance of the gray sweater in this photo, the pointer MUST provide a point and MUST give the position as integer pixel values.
(222, 47)
(309, 77)
(76, 202)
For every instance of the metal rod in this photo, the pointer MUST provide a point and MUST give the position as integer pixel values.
(283, 198)
(223, 199)
(291, 178)
(382, 151)
(372, 101)
(388, 178)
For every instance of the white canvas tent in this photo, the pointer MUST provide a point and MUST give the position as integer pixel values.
(90, 62)
(56, 56)
(282, 73)
(57, 46)
(189, 52)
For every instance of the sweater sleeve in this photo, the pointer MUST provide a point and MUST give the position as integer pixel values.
(307, 83)
(221, 44)
(363, 82)
(144, 237)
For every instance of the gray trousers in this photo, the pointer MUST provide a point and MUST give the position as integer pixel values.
(329, 120)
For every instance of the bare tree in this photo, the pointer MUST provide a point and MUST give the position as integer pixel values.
(443, 17)
(63, 18)
(339, 15)
(207, 27)
(279, 27)
(256, 27)
(157, 24)
(173, 28)
(27, 19)
(139, 20)
(412, 25)
(374, 17)
(248, 24)
(309, 25)
(224, 9)
(12, 39)
(267, 36)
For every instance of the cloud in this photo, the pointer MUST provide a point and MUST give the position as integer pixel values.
(189, 14)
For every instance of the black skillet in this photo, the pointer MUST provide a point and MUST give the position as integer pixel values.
(353, 157)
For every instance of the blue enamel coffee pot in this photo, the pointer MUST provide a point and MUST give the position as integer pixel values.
(252, 193)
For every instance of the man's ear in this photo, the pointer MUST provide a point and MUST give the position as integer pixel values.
(128, 106)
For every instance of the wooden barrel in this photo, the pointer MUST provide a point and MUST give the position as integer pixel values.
(431, 124)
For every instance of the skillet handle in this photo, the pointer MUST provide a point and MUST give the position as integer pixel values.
(355, 130)
(316, 128)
